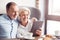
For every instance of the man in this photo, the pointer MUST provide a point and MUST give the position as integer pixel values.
(8, 23)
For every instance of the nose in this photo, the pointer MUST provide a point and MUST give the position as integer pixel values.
(26, 16)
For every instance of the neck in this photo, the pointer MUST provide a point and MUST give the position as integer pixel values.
(9, 17)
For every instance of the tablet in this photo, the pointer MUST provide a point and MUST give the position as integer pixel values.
(36, 25)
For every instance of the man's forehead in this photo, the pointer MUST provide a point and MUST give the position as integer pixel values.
(14, 7)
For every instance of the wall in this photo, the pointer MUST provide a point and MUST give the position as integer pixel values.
(19, 2)
(42, 8)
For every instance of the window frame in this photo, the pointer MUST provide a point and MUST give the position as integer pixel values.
(49, 17)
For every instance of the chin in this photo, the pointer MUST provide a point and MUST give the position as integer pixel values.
(25, 21)
(14, 18)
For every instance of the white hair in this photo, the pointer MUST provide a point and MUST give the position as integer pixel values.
(24, 9)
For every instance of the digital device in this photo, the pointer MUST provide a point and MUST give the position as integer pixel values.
(37, 25)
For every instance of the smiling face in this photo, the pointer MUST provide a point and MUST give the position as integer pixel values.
(24, 16)
(12, 12)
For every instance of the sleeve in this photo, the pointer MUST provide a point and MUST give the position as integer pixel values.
(18, 33)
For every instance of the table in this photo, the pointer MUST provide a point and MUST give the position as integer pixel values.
(9, 39)
(56, 39)
(46, 38)
(24, 38)
(36, 38)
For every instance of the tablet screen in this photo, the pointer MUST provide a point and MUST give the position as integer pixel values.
(36, 25)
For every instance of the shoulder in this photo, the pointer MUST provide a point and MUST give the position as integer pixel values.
(30, 23)
(1, 17)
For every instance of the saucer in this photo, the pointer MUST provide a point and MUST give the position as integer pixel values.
(57, 37)
(29, 37)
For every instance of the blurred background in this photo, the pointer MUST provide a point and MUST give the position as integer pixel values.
(50, 12)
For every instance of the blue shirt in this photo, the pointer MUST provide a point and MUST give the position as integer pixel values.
(8, 27)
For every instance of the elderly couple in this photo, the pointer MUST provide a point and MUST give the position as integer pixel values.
(10, 26)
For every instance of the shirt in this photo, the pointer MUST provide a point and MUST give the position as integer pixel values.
(23, 31)
(8, 27)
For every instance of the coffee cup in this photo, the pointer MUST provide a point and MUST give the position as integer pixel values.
(57, 33)
(28, 35)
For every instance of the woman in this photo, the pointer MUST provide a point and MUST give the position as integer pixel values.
(25, 24)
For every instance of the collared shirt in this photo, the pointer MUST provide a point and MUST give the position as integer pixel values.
(24, 30)
(8, 27)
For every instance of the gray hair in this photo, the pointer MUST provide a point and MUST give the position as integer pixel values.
(24, 9)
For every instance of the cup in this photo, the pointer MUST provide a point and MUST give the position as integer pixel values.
(30, 35)
(57, 33)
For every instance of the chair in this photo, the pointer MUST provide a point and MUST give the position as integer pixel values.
(34, 12)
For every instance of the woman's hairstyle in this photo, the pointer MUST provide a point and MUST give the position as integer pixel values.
(24, 9)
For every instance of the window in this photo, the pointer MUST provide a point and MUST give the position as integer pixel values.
(54, 7)
(52, 26)
(53, 16)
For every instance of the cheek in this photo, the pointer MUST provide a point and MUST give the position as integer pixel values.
(12, 13)
(21, 17)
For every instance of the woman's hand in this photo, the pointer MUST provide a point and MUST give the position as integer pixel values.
(34, 19)
(38, 32)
